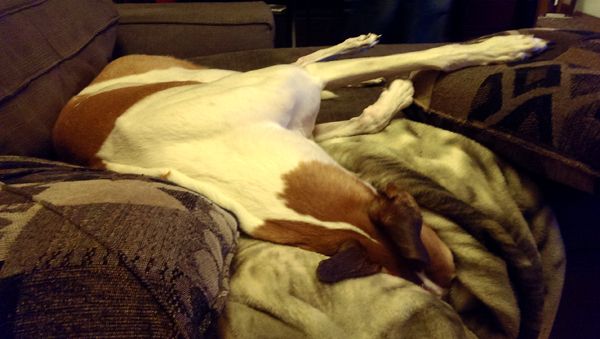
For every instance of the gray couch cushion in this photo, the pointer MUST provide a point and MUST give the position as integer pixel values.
(190, 29)
(87, 253)
(51, 49)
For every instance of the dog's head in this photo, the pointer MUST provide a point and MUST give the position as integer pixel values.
(386, 228)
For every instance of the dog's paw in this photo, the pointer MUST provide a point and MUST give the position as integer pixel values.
(397, 96)
(361, 42)
(511, 47)
(497, 49)
(351, 45)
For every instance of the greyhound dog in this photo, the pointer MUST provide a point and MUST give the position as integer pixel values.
(247, 142)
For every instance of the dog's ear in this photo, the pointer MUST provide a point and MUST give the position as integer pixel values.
(398, 216)
(350, 261)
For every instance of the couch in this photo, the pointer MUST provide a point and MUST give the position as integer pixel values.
(88, 253)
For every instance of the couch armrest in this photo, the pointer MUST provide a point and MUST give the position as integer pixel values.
(192, 29)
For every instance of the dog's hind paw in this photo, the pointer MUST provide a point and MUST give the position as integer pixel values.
(511, 47)
(497, 49)
(360, 42)
(350, 45)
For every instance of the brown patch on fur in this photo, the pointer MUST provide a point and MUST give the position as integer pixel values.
(86, 121)
(328, 193)
(138, 64)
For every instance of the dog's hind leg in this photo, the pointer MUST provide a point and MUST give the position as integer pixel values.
(339, 73)
(373, 118)
(350, 45)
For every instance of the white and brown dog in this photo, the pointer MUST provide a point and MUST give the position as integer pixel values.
(245, 140)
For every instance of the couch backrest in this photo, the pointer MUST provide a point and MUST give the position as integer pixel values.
(49, 51)
(187, 30)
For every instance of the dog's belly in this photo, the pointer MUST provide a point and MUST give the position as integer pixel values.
(247, 165)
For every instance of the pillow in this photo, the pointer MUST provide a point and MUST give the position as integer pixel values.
(51, 49)
(543, 114)
(87, 253)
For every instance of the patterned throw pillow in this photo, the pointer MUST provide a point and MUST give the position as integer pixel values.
(542, 114)
(91, 253)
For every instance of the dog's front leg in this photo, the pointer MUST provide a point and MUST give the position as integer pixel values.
(335, 74)
(373, 118)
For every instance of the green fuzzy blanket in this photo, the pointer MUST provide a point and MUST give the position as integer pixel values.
(506, 244)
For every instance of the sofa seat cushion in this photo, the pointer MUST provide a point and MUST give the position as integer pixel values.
(87, 253)
(542, 114)
(186, 30)
(51, 49)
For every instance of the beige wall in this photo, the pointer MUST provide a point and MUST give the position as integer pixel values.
(590, 7)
